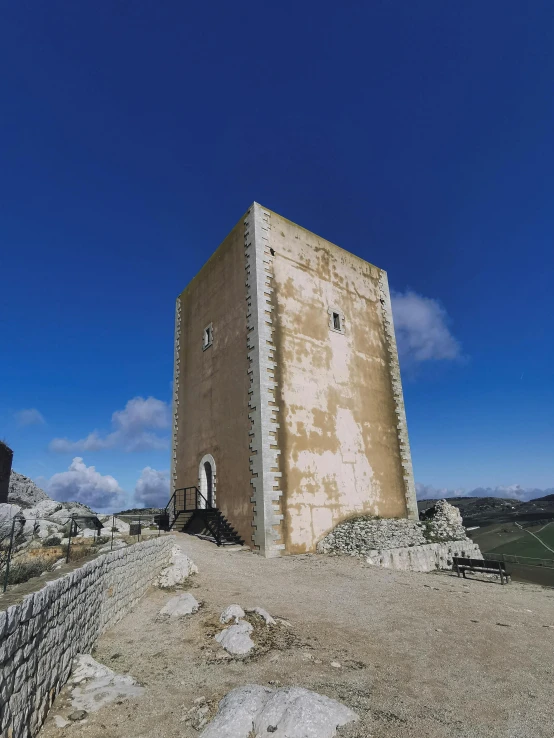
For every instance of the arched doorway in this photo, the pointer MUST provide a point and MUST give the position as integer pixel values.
(207, 481)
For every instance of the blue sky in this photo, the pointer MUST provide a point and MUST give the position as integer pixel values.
(134, 136)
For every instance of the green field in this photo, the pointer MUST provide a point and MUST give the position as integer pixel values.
(507, 538)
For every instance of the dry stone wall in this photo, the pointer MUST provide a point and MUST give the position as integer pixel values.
(40, 636)
(404, 544)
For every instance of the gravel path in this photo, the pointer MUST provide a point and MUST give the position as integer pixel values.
(421, 655)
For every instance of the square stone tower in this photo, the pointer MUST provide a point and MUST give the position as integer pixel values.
(288, 411)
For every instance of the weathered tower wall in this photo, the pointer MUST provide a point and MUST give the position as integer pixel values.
(342, 439)
(210, 403)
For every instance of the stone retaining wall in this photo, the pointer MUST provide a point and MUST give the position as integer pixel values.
(40, 636)
(429, 557)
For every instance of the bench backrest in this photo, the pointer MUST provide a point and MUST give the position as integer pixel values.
(483, 563)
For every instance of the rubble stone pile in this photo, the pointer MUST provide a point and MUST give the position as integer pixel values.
(358, 536)
(404, 544)
(445, 523)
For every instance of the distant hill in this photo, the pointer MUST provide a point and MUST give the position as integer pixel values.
(490, 510)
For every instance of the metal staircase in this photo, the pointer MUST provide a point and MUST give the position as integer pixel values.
(190, 512)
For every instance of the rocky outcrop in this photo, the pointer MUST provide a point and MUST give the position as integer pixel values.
(289, 712)
(179, 569)
(24, 492)
(404, 544)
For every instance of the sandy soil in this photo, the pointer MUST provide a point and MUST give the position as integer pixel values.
(421, 655)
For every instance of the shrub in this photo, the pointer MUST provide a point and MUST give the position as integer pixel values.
(101, 540)
(21, 570)
(52, 541)
(78, 552)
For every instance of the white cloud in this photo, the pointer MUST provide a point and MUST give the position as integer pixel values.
(82, 483)
(421, 327)
(132, 426)
(512, 491)
(152, 488)
(30, 416)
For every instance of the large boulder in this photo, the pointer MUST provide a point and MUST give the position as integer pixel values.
(94, 685)
(180, 606)
(290, 712)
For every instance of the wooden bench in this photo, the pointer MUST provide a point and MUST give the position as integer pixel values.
(461, 565)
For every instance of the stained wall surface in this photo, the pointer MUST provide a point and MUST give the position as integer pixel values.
(212, 413)
(338, 437)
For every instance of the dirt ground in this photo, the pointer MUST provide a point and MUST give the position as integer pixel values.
(421, 655)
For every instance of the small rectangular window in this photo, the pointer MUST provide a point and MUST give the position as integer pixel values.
(336, 320)
(207, 337)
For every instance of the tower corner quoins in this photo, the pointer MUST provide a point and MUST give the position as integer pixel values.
(396, 382)
(175, 403)
(264, 460)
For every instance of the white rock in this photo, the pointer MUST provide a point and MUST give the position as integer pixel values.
(43, 509)
(179, 569)
(237, 711)
(178, 607)
(231, 612)
(263, 614)
(236, 638)
(290, 712)
(107, 547)
(60, 721)
(100, 685)
(301, 713)
(109, 522)
(7, 514)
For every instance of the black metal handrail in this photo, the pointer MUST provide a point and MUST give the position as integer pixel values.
(187, 499)
(190, 499)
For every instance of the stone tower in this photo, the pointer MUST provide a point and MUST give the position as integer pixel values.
(6, 456)
(288, 409)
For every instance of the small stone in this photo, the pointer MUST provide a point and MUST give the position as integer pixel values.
(271, 728)
(231, 612)
(78, 715)
(336, 665)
